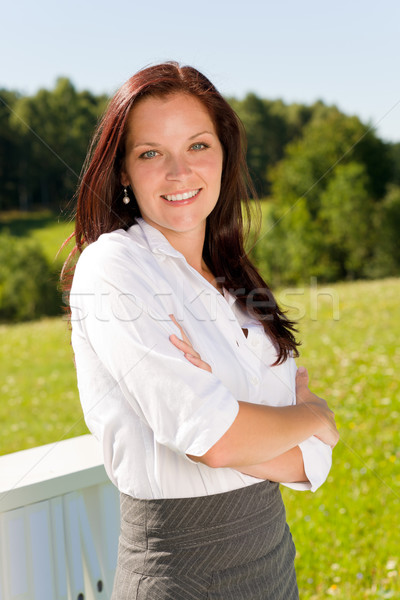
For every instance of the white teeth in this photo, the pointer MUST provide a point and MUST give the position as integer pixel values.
(186, 196)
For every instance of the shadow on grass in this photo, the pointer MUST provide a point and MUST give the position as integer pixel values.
(21, 224)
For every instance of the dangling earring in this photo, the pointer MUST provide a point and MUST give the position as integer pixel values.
(126, 198)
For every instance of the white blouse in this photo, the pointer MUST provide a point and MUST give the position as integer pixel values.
(144, 401)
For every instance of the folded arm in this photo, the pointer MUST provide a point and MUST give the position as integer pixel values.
(288, 468)
(261, 433)
(270, 442)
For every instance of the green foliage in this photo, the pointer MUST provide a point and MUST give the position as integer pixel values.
(330, 138)
(51, 131)
(327, 214)
(394, 153)
(266, 135)
(9, 149)
(33, 240)
(332, 213)
(386, 258)
(346, 222)
(282, 252)
(27, 284)
(269, 126)
(47, 228)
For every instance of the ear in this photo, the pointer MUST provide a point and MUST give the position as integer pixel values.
(124, 179)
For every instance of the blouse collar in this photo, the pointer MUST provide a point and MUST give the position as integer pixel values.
(157, 241)
(159, 244)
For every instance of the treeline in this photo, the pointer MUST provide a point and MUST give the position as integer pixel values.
(43, 143)
(331, 186)
(333, 209)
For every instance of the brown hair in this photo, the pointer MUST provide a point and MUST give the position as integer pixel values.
(99, 198)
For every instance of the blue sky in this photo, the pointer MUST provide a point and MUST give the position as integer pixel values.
(344, 52)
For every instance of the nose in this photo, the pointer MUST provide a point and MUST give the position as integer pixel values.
(177, 168)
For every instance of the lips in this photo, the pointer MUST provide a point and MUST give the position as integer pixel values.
(182, 196)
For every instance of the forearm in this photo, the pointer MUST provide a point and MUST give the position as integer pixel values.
(261, 433)
(286, 468)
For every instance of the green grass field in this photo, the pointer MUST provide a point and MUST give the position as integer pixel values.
(347, 534)
(47, 229)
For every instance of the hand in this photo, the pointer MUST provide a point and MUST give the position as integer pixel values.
(328, 432)
(186, 347)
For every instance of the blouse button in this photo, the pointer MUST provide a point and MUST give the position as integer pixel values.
(254, 342)
(254, 380)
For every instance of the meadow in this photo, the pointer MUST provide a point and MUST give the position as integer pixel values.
(347, 533)
(48, 229)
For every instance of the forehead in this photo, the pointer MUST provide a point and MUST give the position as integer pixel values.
(168, 115)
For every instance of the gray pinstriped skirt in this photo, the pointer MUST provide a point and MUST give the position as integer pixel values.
(230, 546)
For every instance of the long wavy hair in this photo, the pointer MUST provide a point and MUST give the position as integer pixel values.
(100, 209)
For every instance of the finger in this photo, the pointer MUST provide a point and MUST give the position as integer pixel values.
(184, 346)
(302, 372)
(190, 354)
(174, 320)
(184, 336)
(198, 362)
(302, 376)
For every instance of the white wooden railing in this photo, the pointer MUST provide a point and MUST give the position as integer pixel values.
(59, 523)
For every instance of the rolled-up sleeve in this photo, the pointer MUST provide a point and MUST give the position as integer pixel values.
(187, 408)
(317, 459)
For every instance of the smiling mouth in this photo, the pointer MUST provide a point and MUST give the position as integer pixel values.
(177, 197)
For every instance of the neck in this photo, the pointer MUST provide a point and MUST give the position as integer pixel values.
(190, 244)
(192, 250)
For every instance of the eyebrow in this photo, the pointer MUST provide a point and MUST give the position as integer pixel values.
(155, 145)
(201, 133)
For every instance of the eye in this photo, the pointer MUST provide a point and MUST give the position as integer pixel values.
(149, 154)
(199, 146)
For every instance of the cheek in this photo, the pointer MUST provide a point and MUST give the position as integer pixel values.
(212, 167)
(141, 179)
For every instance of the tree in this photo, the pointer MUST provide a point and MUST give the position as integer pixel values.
(346, 218)
(266, 134)
(287, 250)
(386, 258)
(330, 138)
(56, 127)
(394, 153)
(28, 286)
(10, 148)
(325, 197)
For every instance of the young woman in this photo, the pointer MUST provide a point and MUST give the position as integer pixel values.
(184, 360)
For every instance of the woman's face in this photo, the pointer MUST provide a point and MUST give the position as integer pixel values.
(173, 163)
